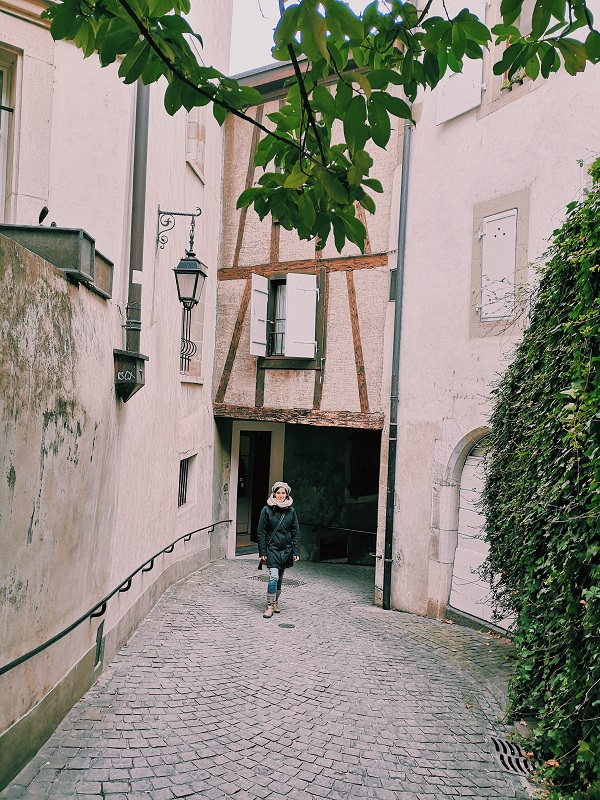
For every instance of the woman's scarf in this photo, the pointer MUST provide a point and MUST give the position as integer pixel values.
(272, 500)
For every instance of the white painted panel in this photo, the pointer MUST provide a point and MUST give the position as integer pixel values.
(469, 593)
(258, 315)
(458, 92)
(498, 262)
(301, 313)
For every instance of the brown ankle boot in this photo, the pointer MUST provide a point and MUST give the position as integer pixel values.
(271, 599)
(276, 608)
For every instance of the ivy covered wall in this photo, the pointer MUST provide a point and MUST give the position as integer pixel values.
(542, 504)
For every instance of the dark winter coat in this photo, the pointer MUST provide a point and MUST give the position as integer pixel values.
(281, 547)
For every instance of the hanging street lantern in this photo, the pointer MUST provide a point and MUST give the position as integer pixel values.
(190, 274)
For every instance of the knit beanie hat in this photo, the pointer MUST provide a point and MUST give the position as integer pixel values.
(272, 501)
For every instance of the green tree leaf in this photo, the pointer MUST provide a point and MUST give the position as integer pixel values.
(332, 186)
(592, 46)
(342, 21)
(295, 180)
(306, 209)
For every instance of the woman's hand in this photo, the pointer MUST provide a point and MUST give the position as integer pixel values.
(263, 559)
(296, 558)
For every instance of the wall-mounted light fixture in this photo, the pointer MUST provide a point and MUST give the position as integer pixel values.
(190, 275)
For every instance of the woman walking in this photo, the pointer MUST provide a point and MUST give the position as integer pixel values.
(278, 541)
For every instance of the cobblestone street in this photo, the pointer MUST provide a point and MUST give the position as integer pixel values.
(210, 700)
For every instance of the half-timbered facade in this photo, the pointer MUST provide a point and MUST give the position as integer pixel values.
(300, 361)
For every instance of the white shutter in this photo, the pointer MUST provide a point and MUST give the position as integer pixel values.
(458, 92)
(301, 312)
(498, 262)
(258, 315)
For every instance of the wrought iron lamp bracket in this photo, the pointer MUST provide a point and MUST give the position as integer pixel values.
(166, 223)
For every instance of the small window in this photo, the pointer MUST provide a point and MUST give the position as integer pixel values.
(196, 140)
(276, 343)
(6, 114)
(498, 263)
(283, 316)
(186, 481)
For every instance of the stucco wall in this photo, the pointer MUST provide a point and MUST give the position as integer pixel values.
(59, 450)
(447, 367)
(91, 484)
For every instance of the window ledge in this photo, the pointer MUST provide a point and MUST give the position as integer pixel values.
(281, 362)
(183, 378)
(196, 169)
(507, 97)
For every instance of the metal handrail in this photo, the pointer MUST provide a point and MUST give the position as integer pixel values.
(100, 608)
(334, 528)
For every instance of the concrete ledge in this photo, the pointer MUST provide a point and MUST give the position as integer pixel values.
(20, 742)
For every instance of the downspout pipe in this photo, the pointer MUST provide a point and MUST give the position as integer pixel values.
(133, 325)
(395, 386)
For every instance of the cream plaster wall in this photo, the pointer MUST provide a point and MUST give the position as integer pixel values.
(446, 374)
(94, 482)
(57, 512)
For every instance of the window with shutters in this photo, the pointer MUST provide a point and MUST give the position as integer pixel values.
(499, 266)
(285, 319)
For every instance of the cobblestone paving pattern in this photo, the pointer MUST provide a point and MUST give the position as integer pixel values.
(210, 700)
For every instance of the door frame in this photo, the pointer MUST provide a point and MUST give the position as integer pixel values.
(277, 430)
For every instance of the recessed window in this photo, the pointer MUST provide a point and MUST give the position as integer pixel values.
(498, 262)
(192, 335)
(196, 140)
(6, 115)
(276, 343)
(187, 483)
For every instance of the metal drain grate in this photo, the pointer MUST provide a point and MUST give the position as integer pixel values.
(287, 583)
(511, 757)
(286, 625)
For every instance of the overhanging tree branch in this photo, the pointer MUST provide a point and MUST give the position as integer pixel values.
(213, 99)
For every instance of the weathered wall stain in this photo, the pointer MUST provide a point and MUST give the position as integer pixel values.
(37, 345)
(13, 594)
(11, 478)
(59, 428)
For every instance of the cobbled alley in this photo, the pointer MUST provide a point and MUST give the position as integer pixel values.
(331, 698)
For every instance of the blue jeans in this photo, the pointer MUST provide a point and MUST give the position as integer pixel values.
(275, 579)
